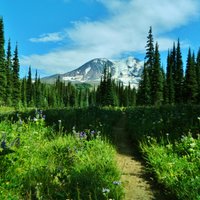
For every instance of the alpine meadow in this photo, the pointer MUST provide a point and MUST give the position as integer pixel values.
(108, 140)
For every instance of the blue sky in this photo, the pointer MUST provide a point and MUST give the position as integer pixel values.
(56, 36)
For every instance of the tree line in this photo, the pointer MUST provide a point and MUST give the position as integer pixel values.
(156, 87)
(32, 92)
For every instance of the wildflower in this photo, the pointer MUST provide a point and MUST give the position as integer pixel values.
(105, 190)
(59, 121)
(117, 182)
(35, 119)
(20, 122)
(192, 145)
(82, 135)
(92, 132)
(167, 134)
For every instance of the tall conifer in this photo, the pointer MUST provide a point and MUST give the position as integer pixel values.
(191, 86)
(23, 92)
(29, 89)
(169, 80)
(149, 58)
(178, 82)
(9, 72)
(198, 74)
(157, 80)
(144, 89)
(2, 65)
(15, 79)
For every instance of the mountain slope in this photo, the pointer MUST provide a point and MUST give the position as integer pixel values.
(127, 71)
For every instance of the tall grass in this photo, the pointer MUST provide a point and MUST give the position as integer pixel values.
(37, 163)
(175, 165)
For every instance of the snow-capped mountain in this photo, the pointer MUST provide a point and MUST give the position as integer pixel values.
(127, 71)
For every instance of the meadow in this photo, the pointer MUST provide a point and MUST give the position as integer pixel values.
(40, 162)
(70, 153)
(168, 139)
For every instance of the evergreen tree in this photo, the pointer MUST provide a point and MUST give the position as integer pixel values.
(149, 58)
(9, 76)
(38, 92)
(132, 96)
(191, 86)
(92, 97)
(157, 80)
(178, 76)
(2, 65)
(106, 93)
(173, 61)
(169, 90)
(198, 74)
(144, 89)
(29, 89)
(15, 79)
(23, 92)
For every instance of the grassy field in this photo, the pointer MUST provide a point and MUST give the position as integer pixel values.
(39, 163)
(175, 165)
(169, 140)
(67, 153)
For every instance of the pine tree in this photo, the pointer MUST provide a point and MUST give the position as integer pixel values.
(149, 58)
(178, 76)
(105, 93)
(38, 91)
(198, 74)
(29, 89)
(173, 61)
(23, 92)
(169, 80)
(191, 86)
(157, 80)
(144, 89)
(2, 65)
(9, 76)
(15, 79)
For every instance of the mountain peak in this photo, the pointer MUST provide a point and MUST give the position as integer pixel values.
(127, 70)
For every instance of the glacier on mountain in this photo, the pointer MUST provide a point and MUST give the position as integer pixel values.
(128, 71)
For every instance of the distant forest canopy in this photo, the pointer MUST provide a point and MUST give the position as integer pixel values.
(156, 87)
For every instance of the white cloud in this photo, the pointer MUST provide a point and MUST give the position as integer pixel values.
(48, 37)
(125, 29)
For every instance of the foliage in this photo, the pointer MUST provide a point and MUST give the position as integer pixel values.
(175, 165)
(37, 163)
(158, 121)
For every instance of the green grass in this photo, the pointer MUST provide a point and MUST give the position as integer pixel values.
(175, 165)
(44, 152)
(38, 163)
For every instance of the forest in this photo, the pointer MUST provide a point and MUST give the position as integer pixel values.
(158, 86)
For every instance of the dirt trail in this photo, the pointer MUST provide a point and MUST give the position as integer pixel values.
(133, 179)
